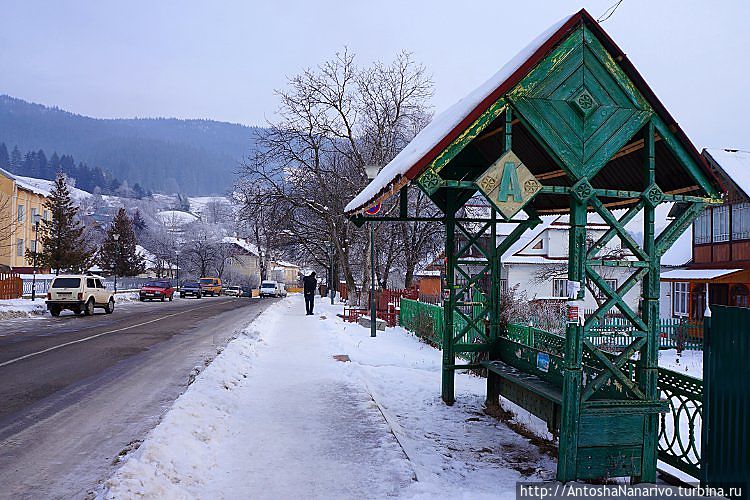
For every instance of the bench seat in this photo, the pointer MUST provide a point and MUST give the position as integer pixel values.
(539, 397)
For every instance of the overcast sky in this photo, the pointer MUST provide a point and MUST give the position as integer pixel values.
(223, 59)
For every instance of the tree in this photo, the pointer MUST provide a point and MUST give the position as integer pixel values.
(120, 255)
(202, 250)
(62, 236)
(139, 225)
(16, 159)
(4, 157)
(332, 122)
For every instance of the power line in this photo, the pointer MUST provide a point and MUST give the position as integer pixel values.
(608, 13)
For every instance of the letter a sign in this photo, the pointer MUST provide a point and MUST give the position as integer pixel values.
(508, 184)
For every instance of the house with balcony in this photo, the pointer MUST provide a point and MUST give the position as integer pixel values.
(21, 204)
(718, 270)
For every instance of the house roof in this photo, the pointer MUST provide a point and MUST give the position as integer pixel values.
(450, 124)
(735, 164)
(244, 244)
(697, 274)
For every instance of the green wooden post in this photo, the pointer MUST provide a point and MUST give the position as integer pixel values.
(647, 369)
(449, 357)
(493, 392)
(568, 453)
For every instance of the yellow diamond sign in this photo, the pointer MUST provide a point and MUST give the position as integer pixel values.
(508, 184)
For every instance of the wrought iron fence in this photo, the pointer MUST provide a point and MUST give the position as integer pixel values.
(679, 430)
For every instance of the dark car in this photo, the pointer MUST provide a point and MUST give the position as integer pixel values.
(247, 291)
(156, 290)
(191, 288)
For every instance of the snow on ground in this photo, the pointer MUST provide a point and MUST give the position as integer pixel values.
(689, 362)
(275, 416)
(21, 308)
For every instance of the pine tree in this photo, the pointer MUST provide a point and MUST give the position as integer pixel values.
(120, 256)
(4, 157)
(63, 243)
(138, 223)
(16, 159)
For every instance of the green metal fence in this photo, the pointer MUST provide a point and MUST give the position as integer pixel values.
(679, 430)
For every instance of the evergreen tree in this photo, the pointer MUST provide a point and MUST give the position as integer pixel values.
(16, 159)
(120, 256)
(41, 165)
(4, 157)
(139, 224)
(62, 239)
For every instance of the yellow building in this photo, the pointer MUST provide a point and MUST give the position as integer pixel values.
(20, 203)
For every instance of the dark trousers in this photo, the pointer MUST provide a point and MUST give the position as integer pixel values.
(309, 302)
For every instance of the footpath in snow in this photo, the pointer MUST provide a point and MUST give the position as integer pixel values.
(276, 416)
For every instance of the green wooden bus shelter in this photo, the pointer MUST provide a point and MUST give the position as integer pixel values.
(568, 126)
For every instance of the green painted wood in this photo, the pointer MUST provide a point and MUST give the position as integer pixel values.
(610, 430)
(609, 461)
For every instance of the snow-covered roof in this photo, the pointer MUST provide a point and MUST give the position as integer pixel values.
(283, 263)
(736, 164)
(697, 274)
(428, 273)
(244, 244)
(176, 217)
(42, 187)
(444, 123)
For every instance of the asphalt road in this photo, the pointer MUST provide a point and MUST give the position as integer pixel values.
(76, 391)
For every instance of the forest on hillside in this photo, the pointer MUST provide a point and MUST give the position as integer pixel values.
(197, 157)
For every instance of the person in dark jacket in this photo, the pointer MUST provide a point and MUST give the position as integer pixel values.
(310, 283)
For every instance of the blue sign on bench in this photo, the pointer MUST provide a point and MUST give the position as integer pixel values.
(542, 361)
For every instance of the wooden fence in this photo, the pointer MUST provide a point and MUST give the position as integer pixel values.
(11, 286)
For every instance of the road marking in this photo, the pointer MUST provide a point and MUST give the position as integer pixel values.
(30, 355)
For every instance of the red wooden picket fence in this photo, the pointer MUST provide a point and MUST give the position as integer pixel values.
(386, 302)
(11, 286)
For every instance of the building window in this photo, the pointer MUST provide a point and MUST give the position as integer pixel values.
(21, 213)
(33, 246)
(721, 223)
(46, 215)
(559, 287)
(19, 247)
(741, 221)
(739, 296)
(34, 213)
(680, 297)
(504, 285)
(702, 228)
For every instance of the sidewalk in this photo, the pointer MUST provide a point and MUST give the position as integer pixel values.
(275, 416)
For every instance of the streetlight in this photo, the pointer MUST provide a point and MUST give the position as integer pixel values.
(37, 218)
(116, 237)
(177, 256)
(372, 171)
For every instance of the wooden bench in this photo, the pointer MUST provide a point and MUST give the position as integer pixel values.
(539, 397)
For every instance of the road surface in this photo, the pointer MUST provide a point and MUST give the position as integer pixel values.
(77, 391)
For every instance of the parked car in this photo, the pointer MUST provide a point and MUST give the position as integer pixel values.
(233, 291)
(211, 286)
(192, 288)
(272, 289)
(80, 293)
(247, 291)
(156, 290)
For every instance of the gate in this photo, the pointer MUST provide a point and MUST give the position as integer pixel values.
(726, 421)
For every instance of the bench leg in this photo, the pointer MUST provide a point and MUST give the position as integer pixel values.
(493, 391)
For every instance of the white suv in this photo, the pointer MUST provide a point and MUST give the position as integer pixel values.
(80, 293)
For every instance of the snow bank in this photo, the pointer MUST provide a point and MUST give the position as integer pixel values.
(21, 308)
(275, 416)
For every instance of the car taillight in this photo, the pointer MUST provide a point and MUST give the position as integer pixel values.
(49, 295)
(80, 295)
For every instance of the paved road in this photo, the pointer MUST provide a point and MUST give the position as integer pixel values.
(76, 391)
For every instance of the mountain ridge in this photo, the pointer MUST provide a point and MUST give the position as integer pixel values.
(195, 156)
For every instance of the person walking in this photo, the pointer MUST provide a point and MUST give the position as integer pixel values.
(310, 283)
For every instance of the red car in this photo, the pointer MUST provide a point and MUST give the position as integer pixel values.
(157, 290)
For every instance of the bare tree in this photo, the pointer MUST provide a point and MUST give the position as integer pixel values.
(201, 250)
(332, 121)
